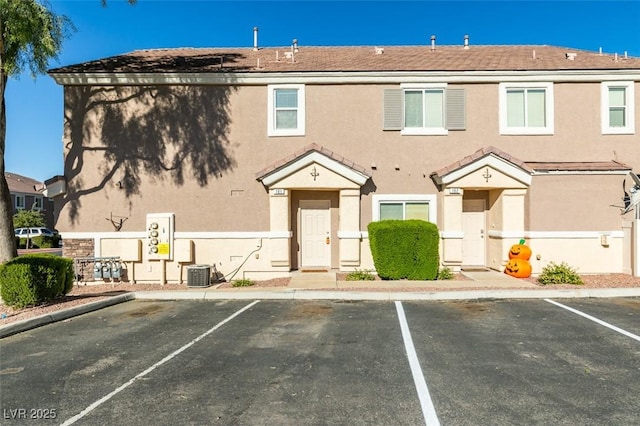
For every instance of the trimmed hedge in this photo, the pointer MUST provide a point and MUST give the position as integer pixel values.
(41, 241)
(405, 249)
(33, 279)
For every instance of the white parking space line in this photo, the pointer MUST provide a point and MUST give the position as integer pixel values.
(107, 397)
(428, 410)
(596, 320)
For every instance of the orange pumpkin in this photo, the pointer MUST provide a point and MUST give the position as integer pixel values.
(519, 268)
(520, 251)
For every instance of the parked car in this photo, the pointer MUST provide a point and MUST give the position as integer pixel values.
(33, 232)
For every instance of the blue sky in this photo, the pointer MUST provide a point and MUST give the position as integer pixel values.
(35, 108)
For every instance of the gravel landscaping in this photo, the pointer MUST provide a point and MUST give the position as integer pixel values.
(83, 294)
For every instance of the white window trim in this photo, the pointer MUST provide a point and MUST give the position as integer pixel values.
(428, 198)
(425, 131)
(502, 105)
(271, 116)
(20, 197)
(629, 129)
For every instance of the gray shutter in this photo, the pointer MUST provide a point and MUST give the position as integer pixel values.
(393, 109)
(456, 115)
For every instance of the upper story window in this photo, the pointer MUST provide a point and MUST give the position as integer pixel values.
(37, 203)
(425, 109)
(617, 107)
(526, 108)
(286, 114)
(404, 207)
(20, 202)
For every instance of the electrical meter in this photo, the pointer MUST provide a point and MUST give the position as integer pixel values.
(160, 236)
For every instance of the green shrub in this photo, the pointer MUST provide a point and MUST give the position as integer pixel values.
(361, 275)
(405, 249)
(44, 241)
(28, 219)
(244, 282)
(445, 274)
(559, 274)
(33, 279)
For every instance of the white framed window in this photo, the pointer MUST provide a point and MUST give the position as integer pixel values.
(286, 110)
(424, 110)
(20, 202)
(404, 206)
(617, 107)
(37, 203)
(526, 108)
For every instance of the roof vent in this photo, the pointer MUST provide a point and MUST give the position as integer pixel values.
(570, 55)
(255, 38)
(379, 50)
(466, 41)
(433, 42)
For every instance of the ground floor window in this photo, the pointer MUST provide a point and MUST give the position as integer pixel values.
(404, 210)
(404, 207)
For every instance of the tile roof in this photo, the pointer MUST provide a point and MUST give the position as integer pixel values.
(283, 162)
(530, 166)
(22, 184)
(483, 152)
(355, 59)
(582, 166)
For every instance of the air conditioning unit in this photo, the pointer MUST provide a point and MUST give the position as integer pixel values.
(198, 276)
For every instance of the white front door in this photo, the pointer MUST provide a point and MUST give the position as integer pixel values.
(315, 224)
(473, 242)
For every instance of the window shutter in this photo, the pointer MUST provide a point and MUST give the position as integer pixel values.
(393, 109)
(456, 115)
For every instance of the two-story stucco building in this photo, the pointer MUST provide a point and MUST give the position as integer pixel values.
(26, 194)
(263, 161)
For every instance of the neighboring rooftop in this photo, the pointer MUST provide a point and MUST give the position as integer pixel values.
(22, 184)
(356, 59)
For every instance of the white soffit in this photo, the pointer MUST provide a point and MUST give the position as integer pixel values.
(491, 160)
(334, 77)
(321, 159)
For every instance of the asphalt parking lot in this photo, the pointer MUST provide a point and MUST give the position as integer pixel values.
(271, 362)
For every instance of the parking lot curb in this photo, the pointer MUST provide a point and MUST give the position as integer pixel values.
(24, 325)
(298, 294)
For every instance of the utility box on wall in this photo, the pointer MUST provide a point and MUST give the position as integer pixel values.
(160, 227)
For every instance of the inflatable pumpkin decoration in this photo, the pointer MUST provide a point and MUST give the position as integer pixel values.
(520, 251)
(518, 268)
(518, 265)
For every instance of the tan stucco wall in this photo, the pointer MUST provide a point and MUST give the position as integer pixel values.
(575, 203)
(346, 119)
